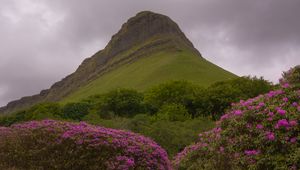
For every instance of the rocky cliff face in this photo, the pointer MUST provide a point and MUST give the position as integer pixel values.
(145, 33)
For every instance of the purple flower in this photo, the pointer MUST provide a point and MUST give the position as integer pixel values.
(270, 136)
(251, 152)
(285, 99)
(271, 114)
(286, 85)
(225, 116)
(295, 104)
(293, 122)
(237, 112)
(281, 112)
(259, 126)
(282, 123)
(293, 140)
(222, 149)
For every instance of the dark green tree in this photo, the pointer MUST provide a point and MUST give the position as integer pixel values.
(122, 102)
(75, 111)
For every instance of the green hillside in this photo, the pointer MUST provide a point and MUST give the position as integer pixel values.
(154, 69)
(149, 49)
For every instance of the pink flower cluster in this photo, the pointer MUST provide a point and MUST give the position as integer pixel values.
(117, 149)
(252, 152)
(253, 129)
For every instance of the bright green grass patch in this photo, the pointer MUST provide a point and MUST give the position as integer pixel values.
(155, 69)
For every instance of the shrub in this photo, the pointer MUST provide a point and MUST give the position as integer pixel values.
(217, 98)
(173, 136)
(75, 111)
(260, 133)
(36, 112)
(173, 92)
(52, 144)
(122, 102)
(173, 112)
(292, 76)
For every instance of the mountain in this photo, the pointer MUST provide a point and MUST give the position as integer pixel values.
(149, 49)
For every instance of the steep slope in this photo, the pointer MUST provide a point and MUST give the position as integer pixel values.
(149, 48)
(154, 69)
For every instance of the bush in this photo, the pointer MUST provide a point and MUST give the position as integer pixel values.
(260, 133)
(36, 112)
(173, 136)
(75, 111)
(173, 92)
(121, 102)
(217, 98)
(173, 112)
(292, 76)
(52, 144)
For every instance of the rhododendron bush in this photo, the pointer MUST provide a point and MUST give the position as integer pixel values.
(52, 144)
(260, 133)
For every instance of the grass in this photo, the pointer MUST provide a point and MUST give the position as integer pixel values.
(152, 70)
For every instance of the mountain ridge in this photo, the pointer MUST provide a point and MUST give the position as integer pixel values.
(142, 35)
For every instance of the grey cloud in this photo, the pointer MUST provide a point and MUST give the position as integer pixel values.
(44, 40)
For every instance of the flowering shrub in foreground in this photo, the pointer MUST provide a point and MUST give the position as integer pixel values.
(260, 133)
(53, 144)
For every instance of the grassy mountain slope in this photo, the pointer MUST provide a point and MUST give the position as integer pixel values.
(154, 69)
(149, 49)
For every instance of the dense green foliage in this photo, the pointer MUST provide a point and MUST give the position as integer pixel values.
(218, 97)
(173, 112)
(178, 97)
(171, 135)
(121, 102)
(37, 112)
(75, 111)
(174, 92)
(292, 76)
(259, 133)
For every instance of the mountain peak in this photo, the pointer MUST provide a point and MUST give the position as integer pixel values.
(147, 35)
(143, 26)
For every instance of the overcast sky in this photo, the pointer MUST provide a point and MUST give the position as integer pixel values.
(42, 41)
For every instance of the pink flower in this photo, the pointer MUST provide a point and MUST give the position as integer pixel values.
(225, 116)
(222, 149)
(285, 99)
(251, 152)
(281, 112)
(271, 114)
(286, 85)
(295, 104)
(293, 122)
(270, 136)
(259, 126)
(293, 140)
(282, 123)
(238, 112)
